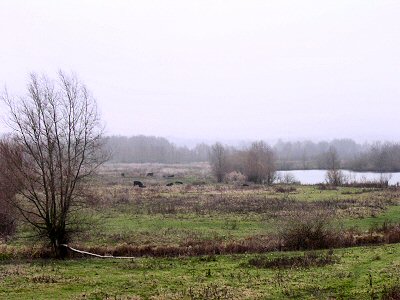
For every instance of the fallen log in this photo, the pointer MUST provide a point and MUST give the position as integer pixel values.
(94, 254)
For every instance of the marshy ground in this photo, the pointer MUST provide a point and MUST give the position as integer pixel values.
(201, 240)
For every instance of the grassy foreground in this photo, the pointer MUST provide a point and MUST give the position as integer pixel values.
(357, 273)
(199, 213)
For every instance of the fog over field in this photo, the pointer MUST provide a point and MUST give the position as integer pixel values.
(218, 70)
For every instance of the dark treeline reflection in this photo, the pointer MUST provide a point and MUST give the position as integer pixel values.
(377, 156)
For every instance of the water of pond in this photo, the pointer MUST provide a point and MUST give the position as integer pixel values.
(319, 176)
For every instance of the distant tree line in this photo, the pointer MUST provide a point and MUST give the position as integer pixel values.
(315, 155)
(151, 149)
(374, 157)
(379, 157)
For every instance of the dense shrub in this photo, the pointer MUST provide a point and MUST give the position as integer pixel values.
(304, 231)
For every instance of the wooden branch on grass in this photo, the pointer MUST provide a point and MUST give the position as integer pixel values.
(94, 254)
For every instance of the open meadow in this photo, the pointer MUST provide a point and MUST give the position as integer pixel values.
(197, 239)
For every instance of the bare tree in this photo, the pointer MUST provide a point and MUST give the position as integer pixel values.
(332, 158)
(58, 134)
(334, 175)
(219, 161)
(260, 165)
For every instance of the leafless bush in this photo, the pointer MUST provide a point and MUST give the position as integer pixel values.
(219, 161)
(235, 177)
(306, 231)
(335, 177)
(260, 166)
(370, 184)
(287, 178)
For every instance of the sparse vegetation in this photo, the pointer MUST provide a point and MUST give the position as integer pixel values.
(189, 229)
(307, 260)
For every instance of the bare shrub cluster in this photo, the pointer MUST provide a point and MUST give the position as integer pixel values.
(304, 231)
(311, 231)
(190, 248)
(196, 247)
(257, 162)
(219, 161)
(235, 177)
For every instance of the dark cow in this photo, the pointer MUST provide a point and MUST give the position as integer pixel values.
(150, 174)
(123, 174)
(170, 184)
(139, 184)
(178, 182)
(171, 176)
(245, 184)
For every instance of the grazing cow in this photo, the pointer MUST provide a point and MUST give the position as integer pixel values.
(171, 176)
(245, 184)
(178, 182)
(170, 184)
(150, 174)
(138, 183)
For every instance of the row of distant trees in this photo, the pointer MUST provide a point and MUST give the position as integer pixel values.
(151, 149)
(379, 157)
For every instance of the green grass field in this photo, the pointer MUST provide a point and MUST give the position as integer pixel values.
(214, 212)
(119, 214)
(206, 277)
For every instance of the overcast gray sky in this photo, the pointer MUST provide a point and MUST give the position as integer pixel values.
(226, 70)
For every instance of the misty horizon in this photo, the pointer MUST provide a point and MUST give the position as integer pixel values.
(226, 71)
